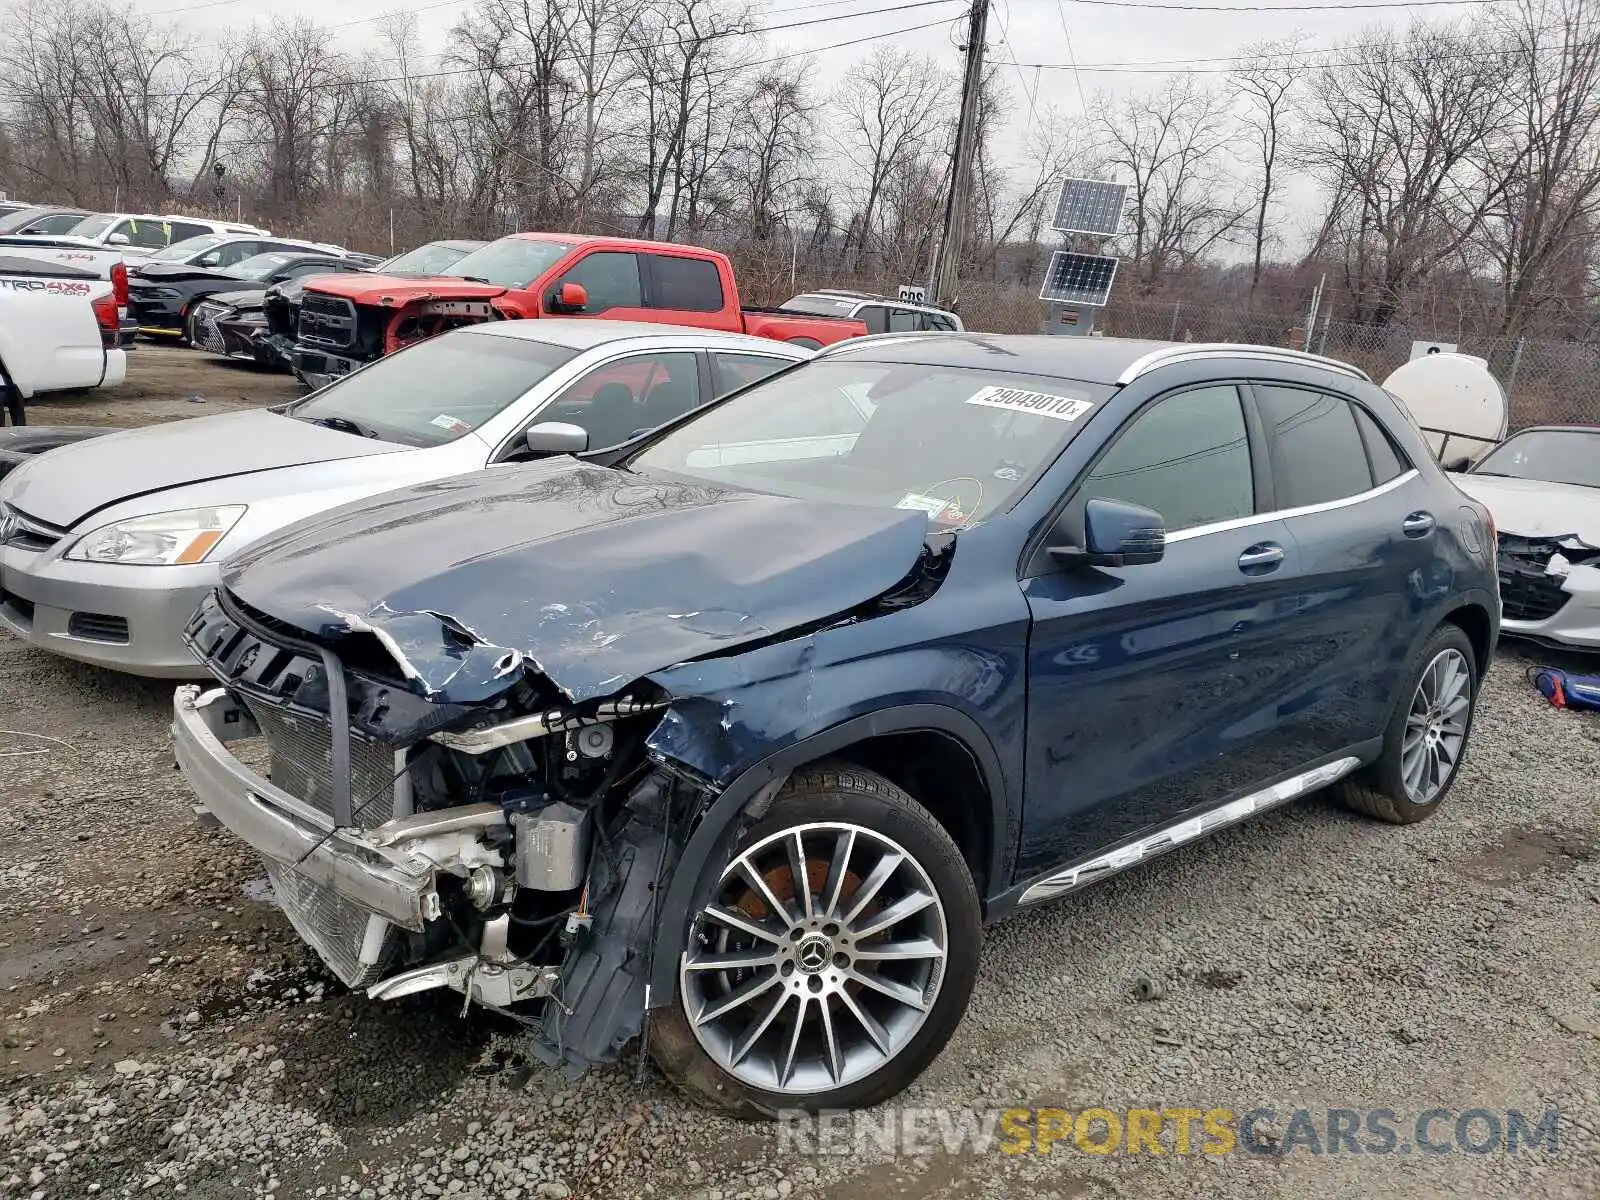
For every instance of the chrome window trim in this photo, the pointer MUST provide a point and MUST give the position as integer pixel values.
(1305, 510)
(1168, 355)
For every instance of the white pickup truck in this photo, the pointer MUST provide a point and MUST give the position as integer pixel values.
(61, 315)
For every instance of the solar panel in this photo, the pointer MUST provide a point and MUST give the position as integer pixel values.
(1090, 206)
(1079, 279)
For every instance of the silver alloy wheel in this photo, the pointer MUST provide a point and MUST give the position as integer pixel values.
(1436, 727)
(818, 960)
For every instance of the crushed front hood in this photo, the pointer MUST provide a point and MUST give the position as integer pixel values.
(156, 274)
(245, 298)
(1534, 509)
(589, 576)
(396, 291)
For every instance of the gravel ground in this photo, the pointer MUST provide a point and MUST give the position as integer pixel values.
(165, 1034)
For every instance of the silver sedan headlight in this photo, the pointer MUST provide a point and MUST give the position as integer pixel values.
(160, 540)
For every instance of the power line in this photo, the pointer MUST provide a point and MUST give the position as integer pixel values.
(1072, 57)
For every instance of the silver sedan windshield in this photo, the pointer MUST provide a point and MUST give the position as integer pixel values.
(434, 391)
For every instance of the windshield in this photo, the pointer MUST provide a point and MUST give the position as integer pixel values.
(179, 251)
(424, 260)
(511, 262)
(93, 226)
(1549, 455)
(821, 306)
(957, 443)
(435, 391)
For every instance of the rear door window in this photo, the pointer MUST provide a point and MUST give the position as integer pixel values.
(904, 320)
(1317, 452)
(685, 284)
(876, 318)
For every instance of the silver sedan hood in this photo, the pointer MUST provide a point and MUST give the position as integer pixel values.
(1536, 509)
(67, 484)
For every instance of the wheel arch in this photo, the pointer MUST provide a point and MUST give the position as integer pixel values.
(873, 741)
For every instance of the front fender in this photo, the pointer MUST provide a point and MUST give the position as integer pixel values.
(747, 795)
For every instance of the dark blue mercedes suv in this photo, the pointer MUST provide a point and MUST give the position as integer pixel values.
(736, 736)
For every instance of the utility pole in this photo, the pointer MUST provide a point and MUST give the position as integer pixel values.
(942, 283)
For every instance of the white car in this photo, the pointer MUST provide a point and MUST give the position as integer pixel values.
(108, 545)
(137, 234)
(1542, 486)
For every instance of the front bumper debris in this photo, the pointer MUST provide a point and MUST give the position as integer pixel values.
(369, 868)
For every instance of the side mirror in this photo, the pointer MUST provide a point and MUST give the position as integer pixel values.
(118, 239)
(209, 260)
(556, 437)
(570, 298)
(1116, 534)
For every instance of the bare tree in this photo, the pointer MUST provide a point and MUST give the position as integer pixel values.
(1538, 233)
(772, 139)
(1407, 135)
(682, 53)
(290, 76)
(889, 113)
(1266, 81)
(1170, 144)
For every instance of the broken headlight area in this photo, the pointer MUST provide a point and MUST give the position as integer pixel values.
(1533, 573)
(511, 851)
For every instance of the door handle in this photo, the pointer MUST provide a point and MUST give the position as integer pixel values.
(1418, 524)
(1261, 558)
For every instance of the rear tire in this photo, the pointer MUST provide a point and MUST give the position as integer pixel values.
(1426, 737)
(858, 972)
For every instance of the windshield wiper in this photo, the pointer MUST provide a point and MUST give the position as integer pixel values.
(342, 424)
(475, 279)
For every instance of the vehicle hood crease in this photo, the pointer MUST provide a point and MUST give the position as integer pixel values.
(590, 577)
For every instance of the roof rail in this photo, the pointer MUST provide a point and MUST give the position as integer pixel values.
(1189, 352)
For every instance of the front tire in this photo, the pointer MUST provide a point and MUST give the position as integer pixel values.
(1426, 737)
(835, 959)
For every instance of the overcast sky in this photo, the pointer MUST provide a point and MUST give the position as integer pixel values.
(1032, 31)
(1025, 31)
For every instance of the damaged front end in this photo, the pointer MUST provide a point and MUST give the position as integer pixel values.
(1540, 576)
(513, 861)
(437, 808)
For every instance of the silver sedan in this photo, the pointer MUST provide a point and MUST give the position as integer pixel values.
(107, 546)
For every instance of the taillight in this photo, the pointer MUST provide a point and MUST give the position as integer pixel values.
(108, 318)
(119, 284)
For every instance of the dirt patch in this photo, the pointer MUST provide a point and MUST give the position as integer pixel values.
(1523, 852)
(167, 383)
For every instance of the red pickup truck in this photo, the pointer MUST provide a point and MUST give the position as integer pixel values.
(348, 320)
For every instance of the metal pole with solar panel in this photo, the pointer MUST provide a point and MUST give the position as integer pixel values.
(1076, 285)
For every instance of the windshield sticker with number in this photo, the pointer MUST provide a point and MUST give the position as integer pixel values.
(451, 424)
(932, 505)
(1062, 408)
